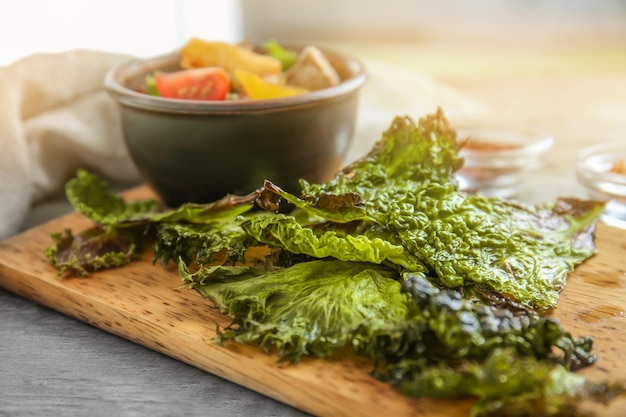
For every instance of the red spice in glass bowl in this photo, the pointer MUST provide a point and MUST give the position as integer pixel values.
(497, 157)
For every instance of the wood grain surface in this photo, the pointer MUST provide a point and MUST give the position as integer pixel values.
(145, 304)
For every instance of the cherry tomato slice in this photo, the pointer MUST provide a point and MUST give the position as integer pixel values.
(210, 83)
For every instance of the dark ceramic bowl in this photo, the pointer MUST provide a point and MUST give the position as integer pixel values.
(199, 151)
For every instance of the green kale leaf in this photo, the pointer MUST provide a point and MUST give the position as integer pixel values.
(108, 245)
(505, 384)
(426, 341)
(286, 232)
(313, 308)
(93, 249)
(453, 326)
(408, 196)
(441, 289)
(398, 205)
(94, 198)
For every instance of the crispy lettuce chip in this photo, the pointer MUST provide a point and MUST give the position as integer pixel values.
(286, 232)
(92, 249)
(426, 340)
(409, 199)
(93, 197)
(121, 226)
(314, 308)
(397, 206)
(441, 289)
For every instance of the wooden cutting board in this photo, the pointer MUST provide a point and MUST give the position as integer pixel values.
(144, 302)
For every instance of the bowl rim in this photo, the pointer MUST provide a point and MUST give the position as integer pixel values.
(586, 173)
(541, 140)
(129, 97)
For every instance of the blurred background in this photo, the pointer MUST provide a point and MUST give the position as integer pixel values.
(146, 27)
(560, 64)
(404, 20)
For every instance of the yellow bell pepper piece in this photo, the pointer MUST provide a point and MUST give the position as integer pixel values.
(198, 53)
(257, 88)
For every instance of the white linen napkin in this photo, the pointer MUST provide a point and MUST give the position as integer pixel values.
(55, 117)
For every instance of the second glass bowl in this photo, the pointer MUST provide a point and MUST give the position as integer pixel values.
(497, 157)
(601, 169)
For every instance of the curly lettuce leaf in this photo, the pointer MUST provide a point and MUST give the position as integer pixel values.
(93, 197)
(313, 308)
(285, 231)
(329, 277)
(407, 187)
(524, 252)
(200, 243)
(446, 325)
(93, 249)
(408, 154)
(107, 245)
(426, 341)
(332, 207)
(224, 243)
(454, 345)
(505, 384)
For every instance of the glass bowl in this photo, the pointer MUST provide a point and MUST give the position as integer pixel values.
(601, 169)
(497, 157)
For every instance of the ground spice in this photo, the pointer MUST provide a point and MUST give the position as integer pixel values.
(619, 167)
(490, 146)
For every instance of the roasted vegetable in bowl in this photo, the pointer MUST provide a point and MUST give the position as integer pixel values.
(216, 70)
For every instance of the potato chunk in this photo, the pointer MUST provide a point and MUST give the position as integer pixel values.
(312, 71)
